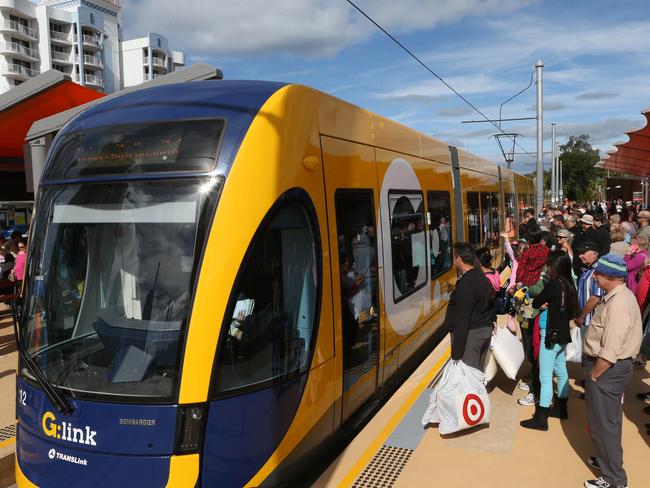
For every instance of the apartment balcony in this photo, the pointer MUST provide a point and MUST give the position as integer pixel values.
(158, 62)
(90, 41)
(60, 37)
(18, 72)
(19, 51)
(92, 80)
(62, 58)
(94, 61)
(19, 30)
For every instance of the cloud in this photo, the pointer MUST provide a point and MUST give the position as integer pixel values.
(310, 28)
(596, 96)
(455, 111)
(549, 107)
(415, 98)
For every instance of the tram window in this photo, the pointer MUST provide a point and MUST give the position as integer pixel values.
(495, 218)
(138, 148)
(474, 218)
(510, 224)
(270, 323)
(408, 243)
(440, 231)
(486, 221)
(357, 250)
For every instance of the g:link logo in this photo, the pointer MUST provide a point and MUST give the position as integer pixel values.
(66, 431)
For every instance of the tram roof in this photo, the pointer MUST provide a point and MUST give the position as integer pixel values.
(633, 155)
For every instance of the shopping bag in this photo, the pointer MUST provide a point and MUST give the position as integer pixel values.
(508, 352)
(459, 401)
(573, 350)
(490, 367)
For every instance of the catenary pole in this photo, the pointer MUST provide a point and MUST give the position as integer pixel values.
(539, 67)
(559, 168)
(553, 167)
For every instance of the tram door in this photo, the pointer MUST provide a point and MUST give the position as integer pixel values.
(355, 267)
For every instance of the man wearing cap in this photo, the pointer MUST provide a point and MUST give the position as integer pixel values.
(644, 220)
(589, 293)
(613, 338)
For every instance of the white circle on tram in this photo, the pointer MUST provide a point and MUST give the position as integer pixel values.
(400, 190)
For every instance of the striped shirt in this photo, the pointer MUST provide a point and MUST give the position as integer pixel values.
(588, 287)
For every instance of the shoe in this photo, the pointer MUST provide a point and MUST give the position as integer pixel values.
(580, 383)
(560, 410)
(582, 396)
(528, 400)
(643, 396)
(593, 462)
(601, 483)
(523, 386)
(539, 420)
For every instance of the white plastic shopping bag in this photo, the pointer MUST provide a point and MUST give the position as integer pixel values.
(491, 368)
(459, 401)
(573, 349)
(508, 352)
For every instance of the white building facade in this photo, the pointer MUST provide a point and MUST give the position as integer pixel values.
(81, 38)
(147, 58)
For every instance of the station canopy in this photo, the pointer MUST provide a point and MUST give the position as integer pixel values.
(633, 156)
(40, 97)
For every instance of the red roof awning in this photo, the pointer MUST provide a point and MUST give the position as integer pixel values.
(16, 119)
(633, 156)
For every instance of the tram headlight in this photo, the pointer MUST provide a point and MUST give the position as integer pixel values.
(189, 428)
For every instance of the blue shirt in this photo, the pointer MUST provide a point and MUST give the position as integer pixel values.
(588, 287)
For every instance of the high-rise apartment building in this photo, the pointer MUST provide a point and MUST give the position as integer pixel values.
(81, 38)
(147, 58)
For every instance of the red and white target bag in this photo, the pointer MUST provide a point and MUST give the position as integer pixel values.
(459, 401)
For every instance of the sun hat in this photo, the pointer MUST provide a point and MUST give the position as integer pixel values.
(587, 219)
(611, 265)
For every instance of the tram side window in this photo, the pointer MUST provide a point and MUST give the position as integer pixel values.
(474, 218)
(270, 323)
(486, 220)
(510, 224)
(440, 231)
(408, 243)
(496, 219)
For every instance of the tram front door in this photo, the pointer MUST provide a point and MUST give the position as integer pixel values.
(355, 264)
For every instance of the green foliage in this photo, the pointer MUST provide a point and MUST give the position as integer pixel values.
(580, 179)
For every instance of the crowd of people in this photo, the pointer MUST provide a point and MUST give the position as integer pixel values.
(13, 254)
(579, 276)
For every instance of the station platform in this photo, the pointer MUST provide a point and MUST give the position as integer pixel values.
(394, 450)
(8, 362)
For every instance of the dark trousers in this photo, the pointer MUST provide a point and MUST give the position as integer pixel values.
(476, 347)
(529, 350)
(605, 416)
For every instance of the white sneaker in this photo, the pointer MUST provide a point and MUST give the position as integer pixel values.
(528, 400)
(523, 386)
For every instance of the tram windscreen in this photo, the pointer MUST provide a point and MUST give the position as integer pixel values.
(138, 148)
(109, 285)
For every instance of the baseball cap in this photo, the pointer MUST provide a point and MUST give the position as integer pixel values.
(590, 246)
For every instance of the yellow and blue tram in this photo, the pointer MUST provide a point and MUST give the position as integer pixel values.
(223, 275)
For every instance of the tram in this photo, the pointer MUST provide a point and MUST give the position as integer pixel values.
(223, 275)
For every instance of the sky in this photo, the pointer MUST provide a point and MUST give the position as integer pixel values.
(595, 55)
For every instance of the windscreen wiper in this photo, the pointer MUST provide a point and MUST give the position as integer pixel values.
(60, 402)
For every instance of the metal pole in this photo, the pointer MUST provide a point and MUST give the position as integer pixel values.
(539, 67)
(559, 173)
(553, 167)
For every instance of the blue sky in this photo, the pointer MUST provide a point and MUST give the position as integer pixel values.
(595, 54)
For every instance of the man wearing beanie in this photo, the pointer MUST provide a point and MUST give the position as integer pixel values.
(613, 338)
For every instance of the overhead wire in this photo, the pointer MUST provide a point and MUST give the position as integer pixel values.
(456, 92)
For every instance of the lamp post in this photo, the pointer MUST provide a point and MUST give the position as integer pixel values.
(539, 68)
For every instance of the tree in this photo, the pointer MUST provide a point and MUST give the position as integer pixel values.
(580, 177)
